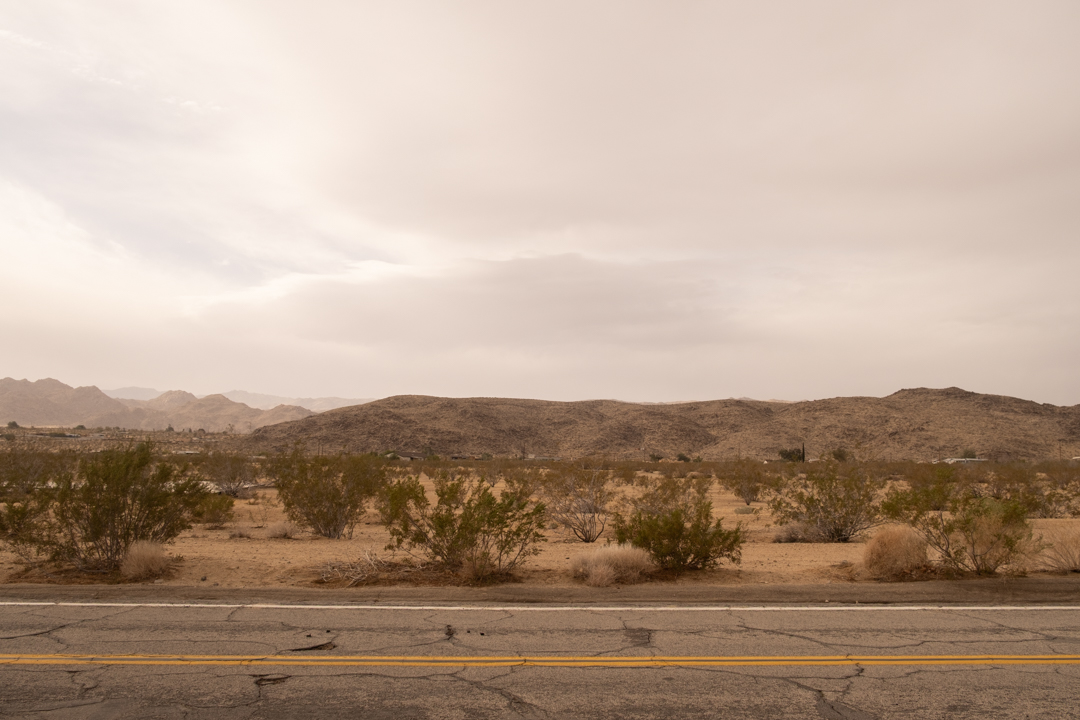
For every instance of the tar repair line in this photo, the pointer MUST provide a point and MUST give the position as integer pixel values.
(562, 608)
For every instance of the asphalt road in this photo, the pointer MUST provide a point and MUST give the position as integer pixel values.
(114, 659)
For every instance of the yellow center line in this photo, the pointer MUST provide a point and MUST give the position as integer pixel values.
(533, 660)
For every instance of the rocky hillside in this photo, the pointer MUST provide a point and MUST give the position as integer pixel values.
(52, 403)
(921, 424)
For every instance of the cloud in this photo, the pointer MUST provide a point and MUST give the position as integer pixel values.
(558, 200)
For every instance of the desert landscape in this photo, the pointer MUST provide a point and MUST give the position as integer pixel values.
(257, 544)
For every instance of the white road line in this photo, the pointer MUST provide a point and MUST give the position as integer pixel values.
(561, 608)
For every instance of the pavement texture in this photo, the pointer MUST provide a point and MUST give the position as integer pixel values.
(131, 652)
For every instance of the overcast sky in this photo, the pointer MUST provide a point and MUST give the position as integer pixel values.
(564, 200)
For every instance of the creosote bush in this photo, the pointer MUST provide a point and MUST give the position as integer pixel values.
(118, 498)
(578, 498)
(745, 478)
(612, 564)
(895, 552)
(833, 502)
(214, 510)
(672, 520)
(91, 517)
(144, 559)
(468, 529)
(327, 494)
(968, 532)
(233, 474)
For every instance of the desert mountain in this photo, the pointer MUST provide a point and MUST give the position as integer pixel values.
(260, 401)
(316, 404)
(51, 402)
(920, 424)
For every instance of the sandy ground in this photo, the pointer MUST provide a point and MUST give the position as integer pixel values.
(244, 555)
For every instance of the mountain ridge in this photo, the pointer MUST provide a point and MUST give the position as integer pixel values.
(50, 402)
(915, 423)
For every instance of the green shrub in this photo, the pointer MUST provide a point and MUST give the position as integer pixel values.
(25, 525)
(969, 533)
(468, 528)
(672, 520)
(683, 537)
(745, 478)
(117, 498)
(214, 510)
(833, 503)
(22, 472)
(327, 494)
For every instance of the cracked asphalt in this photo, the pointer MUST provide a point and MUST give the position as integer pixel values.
(300, 637)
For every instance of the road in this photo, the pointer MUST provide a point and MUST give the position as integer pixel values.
(233, 660)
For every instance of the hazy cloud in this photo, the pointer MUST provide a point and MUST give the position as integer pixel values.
(617, 199)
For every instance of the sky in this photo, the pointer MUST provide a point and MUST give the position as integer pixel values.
(646, 201)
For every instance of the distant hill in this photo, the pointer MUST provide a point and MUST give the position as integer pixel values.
(317, 404)
(920, 424)
(260, 401)
(51, 402)
(132, 393)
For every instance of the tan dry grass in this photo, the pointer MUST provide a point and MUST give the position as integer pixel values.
(895, 551)
(1062, 552)
(610, 564)
(144, 559)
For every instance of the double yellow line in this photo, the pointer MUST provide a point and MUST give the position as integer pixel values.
(457, 661)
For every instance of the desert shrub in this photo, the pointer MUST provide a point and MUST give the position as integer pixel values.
(682, 537)
(22, 472)
(672, 520)
(895, 551)
(281, 531)
(794, 533)
(468, 528)
(835, 503)
(116, 499)
(233, 474)
(327, 494)
(578, 499)
(214, 510)
(744, 510)
(26, 525)
(610, 564)
(1042, 495)
(1061, 554)
(144, 559)
(969, 532)
(745, 478)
